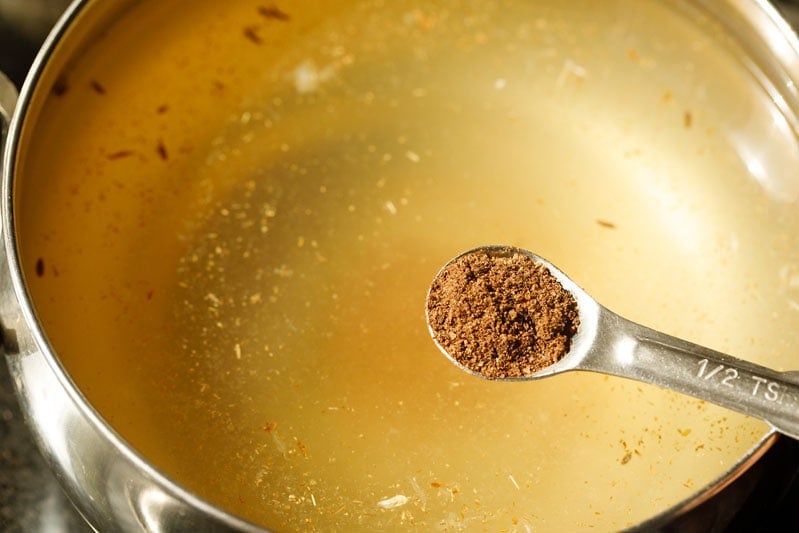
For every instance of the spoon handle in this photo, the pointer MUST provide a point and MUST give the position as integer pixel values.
(653, 357)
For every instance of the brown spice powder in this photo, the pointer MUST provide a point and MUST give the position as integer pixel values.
(501, 314)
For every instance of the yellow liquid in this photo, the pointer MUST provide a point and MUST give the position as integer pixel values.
(235, 236)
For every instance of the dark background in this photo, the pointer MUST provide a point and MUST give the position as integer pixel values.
(31, 500)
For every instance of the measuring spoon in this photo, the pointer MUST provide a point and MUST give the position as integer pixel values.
(610, 344)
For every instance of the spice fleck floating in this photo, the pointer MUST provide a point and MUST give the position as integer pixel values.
(500, 313)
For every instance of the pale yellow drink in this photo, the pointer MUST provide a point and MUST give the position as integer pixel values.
(229, 221)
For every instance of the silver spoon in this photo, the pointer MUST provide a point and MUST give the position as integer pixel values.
(610, 344)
